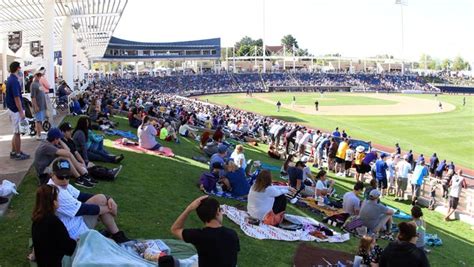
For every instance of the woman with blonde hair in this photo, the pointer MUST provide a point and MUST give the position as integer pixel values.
(267, 202)
(239, 157)
(369, 251)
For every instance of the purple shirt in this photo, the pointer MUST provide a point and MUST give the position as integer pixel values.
(369, 158)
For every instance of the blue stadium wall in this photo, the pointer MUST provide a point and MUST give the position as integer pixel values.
(197, 49)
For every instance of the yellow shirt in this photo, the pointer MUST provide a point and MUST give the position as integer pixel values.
(341, 150)
(359, 158)
(4, 88)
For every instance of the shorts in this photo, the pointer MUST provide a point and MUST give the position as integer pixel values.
(348, 165)
(156, 147)
(402, 184)
(416, 189)
(15, 121)
(453, 202)
(40, 116)
(185, 134)
(364, 168)
(339, 160)
(432, 170)
(382, 183)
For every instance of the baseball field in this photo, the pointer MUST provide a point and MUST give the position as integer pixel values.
(414, 121)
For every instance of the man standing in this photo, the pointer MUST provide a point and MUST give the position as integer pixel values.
(316, 105)
(434, 161)
(417, 180)
(38, 100)
(216, 245)
(15, 110)
(456, 184)
(293, 102)
(336, 132)
(381, 168)
(278, 105)
(403, 168)
(398, 150)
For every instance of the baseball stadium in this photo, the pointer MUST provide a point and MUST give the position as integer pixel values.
(189, 134)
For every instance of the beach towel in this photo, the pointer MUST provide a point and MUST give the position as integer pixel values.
(165, 151)
(326, 210)
(270, 167)
(128, 135)
(93, 249)
(263, 231)
(308, 256)
(226, 195)
(433, 240)
(400, 214)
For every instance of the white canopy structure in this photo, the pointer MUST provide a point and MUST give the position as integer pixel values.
(75, 27)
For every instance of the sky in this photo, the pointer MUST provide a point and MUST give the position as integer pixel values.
(353, 28)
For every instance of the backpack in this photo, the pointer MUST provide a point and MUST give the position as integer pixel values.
(101, 173)
(208, 181)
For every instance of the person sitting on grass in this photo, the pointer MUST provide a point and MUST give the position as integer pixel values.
(403, 251)
(267, 201)
(53, 148)
(239, 157)
(417, 215)
(167, 133)
(220, 156)
(186, 130)
(375, 216)
(235, 180)
(216, 245)
(372, 185)
(81, 211)
(134, 118)
(351, 202)
(147, 133)
(51, 239)
(284, 168)
(295, 179)
(369, 251)
(208, 180)
(324, 187)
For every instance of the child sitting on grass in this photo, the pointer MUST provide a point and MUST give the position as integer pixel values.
(369, 251)
(417, 215)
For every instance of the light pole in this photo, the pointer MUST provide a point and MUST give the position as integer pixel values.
(264, 55)
(402, 3)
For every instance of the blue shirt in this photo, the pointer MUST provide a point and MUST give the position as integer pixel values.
(295, 174)
(336, 134)
(418, 174)
(441, 166)
(217, 158)
(13, 90)
(381, 169)
(238, 182)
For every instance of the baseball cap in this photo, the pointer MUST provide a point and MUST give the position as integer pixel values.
(217, 165)
(374, 194)
(222, 148)
(384, 155)
(66, 126)
(62, 169)
(54, 133)
(304, 159)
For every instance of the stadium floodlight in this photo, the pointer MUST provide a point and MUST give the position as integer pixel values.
(402, 3)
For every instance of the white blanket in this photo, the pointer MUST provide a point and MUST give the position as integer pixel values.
(264, 231)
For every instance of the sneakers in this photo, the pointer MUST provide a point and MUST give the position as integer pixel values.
(12, 155)
(90, 179)
(118, 159)
(21, 156)
(116, 171)
(120, 237)
(82, 182)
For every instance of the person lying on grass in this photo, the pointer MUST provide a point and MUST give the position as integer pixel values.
(216, 245)
(81, 211)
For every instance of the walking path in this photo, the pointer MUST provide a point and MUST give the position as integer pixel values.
(10, 169)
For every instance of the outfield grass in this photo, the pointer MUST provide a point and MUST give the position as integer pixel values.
(152, 191)
(326, 99)
(449, 134)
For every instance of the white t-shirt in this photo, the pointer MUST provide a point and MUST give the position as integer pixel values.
(238, 158)
(68, 207)
(146, 136)
(299, 135)
(403, 169)
(349, 155)
(456, 185)
(273, 129)
(183, 128)
(351, 203)
(304, 139)
(307, 173)
(260, 203)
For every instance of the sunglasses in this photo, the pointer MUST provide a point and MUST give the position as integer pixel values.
(63, 177)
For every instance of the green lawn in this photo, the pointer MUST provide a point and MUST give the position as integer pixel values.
(152, 191)
(326, 99)
(450, 134)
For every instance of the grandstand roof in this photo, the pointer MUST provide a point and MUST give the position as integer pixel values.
(93, 21)
(205, 43)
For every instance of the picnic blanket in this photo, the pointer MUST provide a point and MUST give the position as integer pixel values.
(308, 256)
(311, 203)
(270, 167)
(400, 214)
(264, 231)
(128, 135)
(93, 249)
(433, 240)
(165, 151)
(226, 195)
